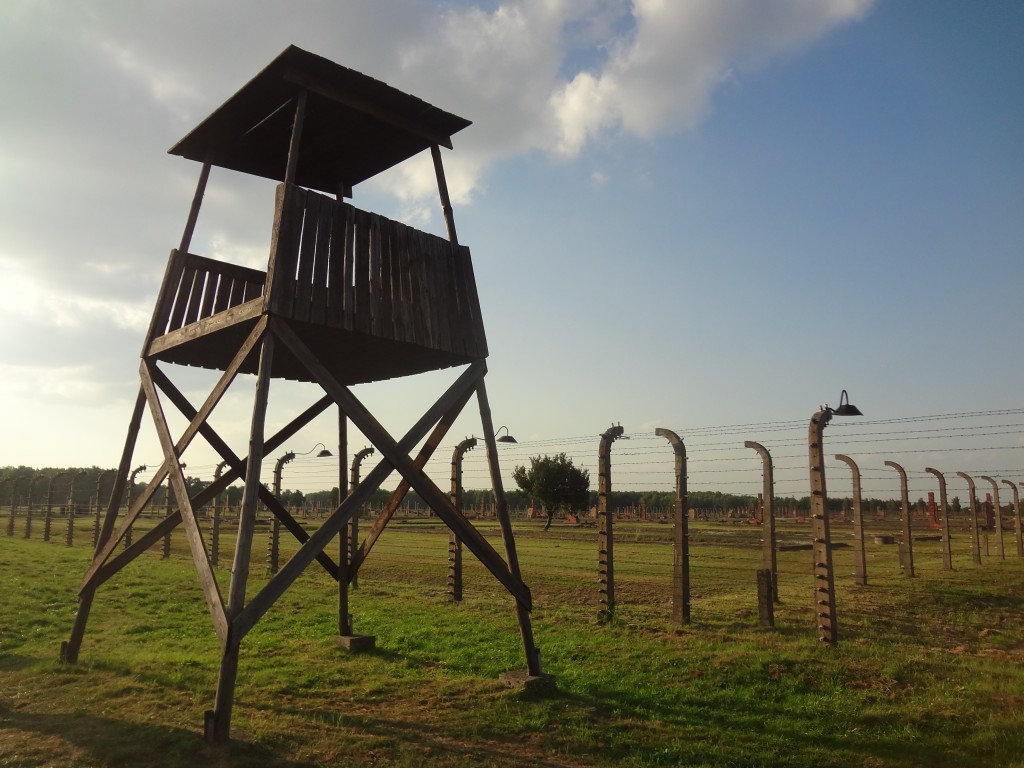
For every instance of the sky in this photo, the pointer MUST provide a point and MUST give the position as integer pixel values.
(689, 214)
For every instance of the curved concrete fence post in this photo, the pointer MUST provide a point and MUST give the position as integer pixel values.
(907, 543)
(1016, 518)
(947, 546)
(680, 533)
(860, 565)
(975, 532)
(769, 560)
(1000, 551)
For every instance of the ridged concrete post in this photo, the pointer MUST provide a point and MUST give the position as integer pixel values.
(605, 536)
(454, 542)
(128, 501)
(824, 580)
(215, 526)
(352, 532)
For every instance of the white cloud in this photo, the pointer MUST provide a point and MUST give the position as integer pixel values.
(660, 74)
(24, 298)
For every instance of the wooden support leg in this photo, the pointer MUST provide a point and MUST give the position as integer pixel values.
(69, 650)
(221, 730)
(533, 664)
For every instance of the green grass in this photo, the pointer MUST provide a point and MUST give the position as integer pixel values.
(928, 671)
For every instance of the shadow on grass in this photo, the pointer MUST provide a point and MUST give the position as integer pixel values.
(111, 742)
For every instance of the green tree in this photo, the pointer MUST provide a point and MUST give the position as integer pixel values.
(555, 482)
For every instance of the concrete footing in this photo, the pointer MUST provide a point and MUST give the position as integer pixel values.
(524, 681)
(357, 643)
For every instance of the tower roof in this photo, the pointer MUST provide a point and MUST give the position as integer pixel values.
(355, 126)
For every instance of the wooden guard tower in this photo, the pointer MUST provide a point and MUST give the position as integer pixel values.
(348, 297)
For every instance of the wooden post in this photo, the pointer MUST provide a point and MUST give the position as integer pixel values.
(768, 543)
(48, 511)
(219, 724)
(824, 580)
(860, 565)
(344, 547)
(454, 542)
(37, 478)
(296, 138)
(1000, 551)
(605, 534)
(531, 651)
(69, 532)
(907, 541)
(947, 546)
(975, 532)
(1017, 521)
(215, 532)
(442, 188)
(680, 533)
(765, 598)
(14, 505)
(96, 506)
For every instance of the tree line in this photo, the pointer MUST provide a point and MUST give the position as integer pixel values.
(711, 503)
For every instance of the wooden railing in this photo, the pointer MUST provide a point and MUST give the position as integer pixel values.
(333, 264)
(197, 288)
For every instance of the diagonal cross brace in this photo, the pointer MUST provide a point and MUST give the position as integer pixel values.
(426, 451)
(197, 422)
(445, 409)
(214, 600)
(101, 570)
(266, 496)
(400, 460)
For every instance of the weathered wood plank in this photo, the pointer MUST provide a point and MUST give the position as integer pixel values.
(387, 302)
(464, 315)
(195, 296)
(400, 281)
(208, 325)
(348, 269)
(421, 294)
(284, 246)
(184, 290)
(200, 559)
(375, 274)
(321, 258)
(223, 298)
(479, 338)
(301, 296)
(361, 256)
(335, 296)
(165, 301)
(209, 294)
